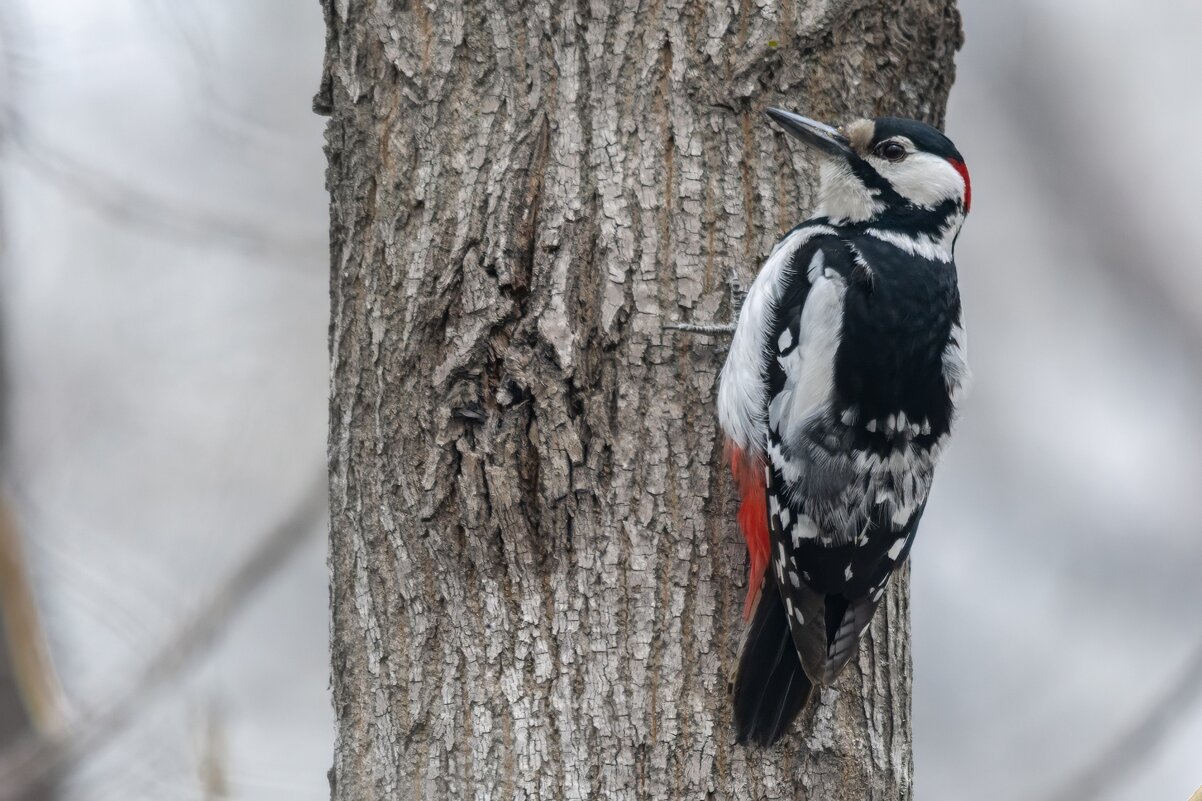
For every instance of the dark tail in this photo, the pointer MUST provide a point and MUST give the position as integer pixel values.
(770, 687)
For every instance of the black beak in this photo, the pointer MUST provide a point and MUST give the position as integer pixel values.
(813, 133)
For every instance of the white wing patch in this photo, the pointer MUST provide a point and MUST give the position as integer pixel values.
(813, 386)
(742, 385)
(809, 369)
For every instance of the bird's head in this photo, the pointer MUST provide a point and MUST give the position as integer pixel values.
(885, 171)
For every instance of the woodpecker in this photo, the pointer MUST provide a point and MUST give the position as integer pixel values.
(838, 394)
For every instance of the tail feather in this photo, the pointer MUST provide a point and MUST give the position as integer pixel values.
(771, 688)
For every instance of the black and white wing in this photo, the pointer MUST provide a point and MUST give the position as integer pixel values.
(844, 495)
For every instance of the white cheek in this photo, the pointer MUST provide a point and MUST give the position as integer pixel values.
(923, 179)
(842, 196)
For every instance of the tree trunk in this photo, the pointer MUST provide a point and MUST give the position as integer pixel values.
(537, 581)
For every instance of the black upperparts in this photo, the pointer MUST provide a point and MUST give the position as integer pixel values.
(890, 357)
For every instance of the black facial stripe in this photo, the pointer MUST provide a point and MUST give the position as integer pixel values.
(900, 214)
(873, 180)
(910, 218)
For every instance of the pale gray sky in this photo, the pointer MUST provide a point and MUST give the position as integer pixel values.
(165, 291)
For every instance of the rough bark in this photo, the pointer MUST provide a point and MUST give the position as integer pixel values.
(536, 577)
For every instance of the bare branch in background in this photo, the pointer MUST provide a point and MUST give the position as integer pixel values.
(213, 768)
(31, 698)
(30, 763)
(1121, 242)
(29, 757)
(125, 203)
(184, 24)
(29, 660)
(1121, 238)
(110, 194)
(1132, 746)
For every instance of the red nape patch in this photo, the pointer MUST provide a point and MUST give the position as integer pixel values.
(748, 471)
(962, 168)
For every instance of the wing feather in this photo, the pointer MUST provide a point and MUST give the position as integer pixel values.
(833, 530)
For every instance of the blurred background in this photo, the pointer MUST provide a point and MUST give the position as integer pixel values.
(163, 336)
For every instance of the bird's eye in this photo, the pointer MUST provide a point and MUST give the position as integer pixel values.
(894, 151)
